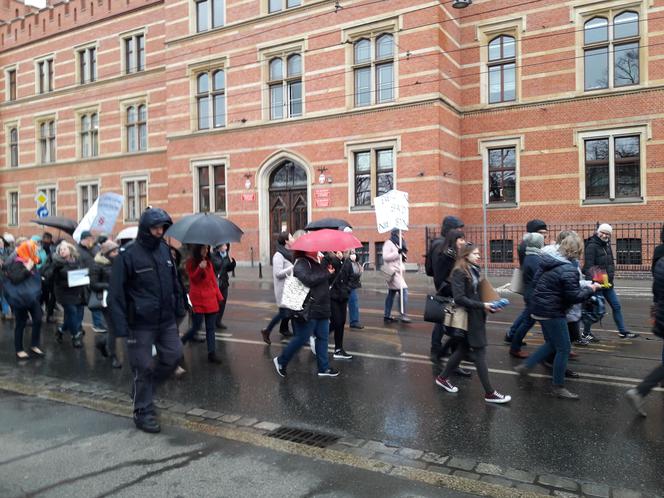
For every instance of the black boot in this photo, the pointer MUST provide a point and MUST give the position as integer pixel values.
(115, 363)
(213, 358)
(101, 346)
(147, 422)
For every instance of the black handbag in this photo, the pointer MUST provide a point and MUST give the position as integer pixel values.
(434, 308)
(96, 301)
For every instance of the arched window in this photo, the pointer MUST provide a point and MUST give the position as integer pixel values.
(285, 89)
(502, 69)
(211, 99)
(136, 128)
(373, 69)
(13, 146)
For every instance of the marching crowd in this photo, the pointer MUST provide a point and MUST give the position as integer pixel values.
(141, 291)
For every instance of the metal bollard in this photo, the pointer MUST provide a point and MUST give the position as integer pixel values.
(260, 270)
(251, 253)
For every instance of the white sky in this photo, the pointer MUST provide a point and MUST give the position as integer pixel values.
(36, 3)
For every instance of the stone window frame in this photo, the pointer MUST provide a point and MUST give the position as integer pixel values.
(37, 61)
(372, 31)
(85, 184)
(518, 142)
(124, 106)
(209, 163)
(126, 70)
(38, 120)
(8, 69)
(78, 54)
(126, 180)
(193, 70)
(78, 114)
(266, 54)
(265, 7)
(10, 222)
(644, 131)
(193, 17)
(485, 32)
(10, 125)
(608, 8)
(351, 148)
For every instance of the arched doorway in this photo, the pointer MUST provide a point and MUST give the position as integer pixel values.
(287, 200)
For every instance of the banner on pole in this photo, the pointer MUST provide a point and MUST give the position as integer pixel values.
(392, 211)
(102, 215)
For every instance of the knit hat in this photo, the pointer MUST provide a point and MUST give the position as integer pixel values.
(535, 226)
(534, 239)
(85, 234)
(605, 227)
(9, 238)
(108, 247)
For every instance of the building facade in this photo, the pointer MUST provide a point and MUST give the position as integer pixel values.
(276, 112)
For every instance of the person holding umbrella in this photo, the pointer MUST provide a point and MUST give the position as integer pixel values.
(205, 297)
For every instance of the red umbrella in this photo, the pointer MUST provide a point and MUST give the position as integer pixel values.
(326, 240)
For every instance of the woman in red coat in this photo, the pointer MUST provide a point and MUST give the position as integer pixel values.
(205, 297)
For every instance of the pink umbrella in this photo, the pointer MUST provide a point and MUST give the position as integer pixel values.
(326, 240)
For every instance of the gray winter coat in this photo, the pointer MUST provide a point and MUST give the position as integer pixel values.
(281, 268)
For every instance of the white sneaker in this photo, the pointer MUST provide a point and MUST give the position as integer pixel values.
(636, 401)
(312, 344)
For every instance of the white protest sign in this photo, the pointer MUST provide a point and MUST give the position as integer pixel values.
(86, 222)
(392, 211)
(102, 215)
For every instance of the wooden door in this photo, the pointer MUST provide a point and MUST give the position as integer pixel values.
(288, 201)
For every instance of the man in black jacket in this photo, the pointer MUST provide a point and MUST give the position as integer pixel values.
(145, 302)
(599, 257)
(86, 249)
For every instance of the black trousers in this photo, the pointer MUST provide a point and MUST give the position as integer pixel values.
(338, 321)
(651, 381)
(477, 356)
(222, 304)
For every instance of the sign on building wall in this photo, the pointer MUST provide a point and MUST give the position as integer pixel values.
(322, 197)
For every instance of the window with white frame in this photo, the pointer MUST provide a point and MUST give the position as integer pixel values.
(136, 198)
(211, 186)
(211, 99)
(209, 14)
(502, 175)
(12, 208)
(373, 69)
(136, 127)
(10, 84)
(87, 195)
(502, 69)
(13, 146)
(285, 86)
(44, 71)
(89, 134)
(134, 53)
(46, 141)
(612, 166)
(611, 50)
(373, 174)
(279, 5)
(87, 65)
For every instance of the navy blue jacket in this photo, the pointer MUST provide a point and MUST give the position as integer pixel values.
(556, 287)
(144, 293)
(528, 270)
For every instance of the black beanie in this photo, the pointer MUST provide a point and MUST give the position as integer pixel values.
(535, 226)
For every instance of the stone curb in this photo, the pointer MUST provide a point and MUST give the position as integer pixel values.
(387, 458)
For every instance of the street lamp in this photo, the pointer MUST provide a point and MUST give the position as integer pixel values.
(461, 4)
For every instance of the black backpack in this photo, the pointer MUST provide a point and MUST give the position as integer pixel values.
(428, 260)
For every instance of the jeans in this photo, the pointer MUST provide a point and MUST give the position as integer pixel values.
(196, 322)
(282, 314)
(556, 335)
(149, 371)
(21, 319)
(338, 322)
(611, 298)
(303, 330)
(73, 318)
(389, 301)
(354, 307)
(98, 321)
(520, 328)
(478, 356)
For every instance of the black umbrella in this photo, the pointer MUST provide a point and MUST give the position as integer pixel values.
(59, 222)
(331, 223)
(205, 228)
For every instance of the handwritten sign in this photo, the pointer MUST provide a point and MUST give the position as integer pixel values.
(392, 211)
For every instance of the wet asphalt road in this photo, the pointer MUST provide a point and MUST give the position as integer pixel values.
(387, 392)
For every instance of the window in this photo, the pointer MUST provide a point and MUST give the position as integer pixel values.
(211, 183)
(45, 76)
(502, 250)
(134, 53)
(628, 251)
(502, 69)
(12, 218)
(89, 135)
(47, 141)
(87, 195)
(87, 65)
(278, 5)
(52, 203)
(211, 99)
(613, 167)
(209, 14)
(10, 83)
(362, 253)
(136, 198)
(373, 70)
(502, 175)
(136, 128)
(373, 174)
(285, 86)
(611, 51)
(379, 254)
(13, 147)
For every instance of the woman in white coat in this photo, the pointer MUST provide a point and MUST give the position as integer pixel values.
(282, 267)
(394, 256)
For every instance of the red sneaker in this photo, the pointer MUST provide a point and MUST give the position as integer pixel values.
(446, 384)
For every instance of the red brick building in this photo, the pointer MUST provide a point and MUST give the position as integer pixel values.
(275, 112)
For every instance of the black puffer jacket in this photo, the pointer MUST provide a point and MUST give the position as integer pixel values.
(100, 274)
(340, 279)
(443, 262)
(145, 293)
(598, 253)
(63, 293)
(86, 256)
(465, 289)
(315, 276)
(556, 287)
(223, 265)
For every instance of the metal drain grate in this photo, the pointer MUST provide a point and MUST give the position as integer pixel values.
(316, 439)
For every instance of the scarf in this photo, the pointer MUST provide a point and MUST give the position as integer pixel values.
(285, 252)
(533, 251)
(394, 237)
